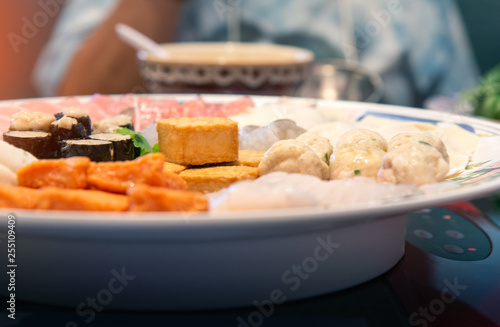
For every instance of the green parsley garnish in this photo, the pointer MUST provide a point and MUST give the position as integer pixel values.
(357, 172)
(484, 97)
(138, 140)
(327, 160)
(374, 139)
(426, 143)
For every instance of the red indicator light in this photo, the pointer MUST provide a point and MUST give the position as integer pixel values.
(471, 249)
(446, 217)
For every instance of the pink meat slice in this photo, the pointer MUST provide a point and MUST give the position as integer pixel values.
(40, 106)
(33, 105)
(149, 110)
(93, 109)
(194, 108)
(213, 110)
(235, 107)
(95, 112)
(69, 102)
(113, 106)
(230, 108)
(129, 99)
(5, 113)
(146, 110)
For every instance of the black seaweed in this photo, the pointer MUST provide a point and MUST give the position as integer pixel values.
(122, 149)
(85, 121)
(42, 147)
(96, 151)
(77, 131)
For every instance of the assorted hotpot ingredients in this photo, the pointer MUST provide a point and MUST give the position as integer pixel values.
(199, 156)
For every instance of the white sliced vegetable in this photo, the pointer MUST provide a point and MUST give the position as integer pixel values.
(7, 176)
(282, 190)
(14, 158)
(457, 139)
(305, 116)
(151, 134)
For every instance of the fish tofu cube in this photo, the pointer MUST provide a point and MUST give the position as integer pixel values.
(70, 173)
(149, 198)
(213, 179)
(174, 168)
(198, 140)
(117, 176)
(54, 198)
(18, 197)
(250, 158)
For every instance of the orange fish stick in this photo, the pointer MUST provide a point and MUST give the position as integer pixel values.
(147, 198)
(117, 176)
(18, 197)
(64, 173)
(53, 198)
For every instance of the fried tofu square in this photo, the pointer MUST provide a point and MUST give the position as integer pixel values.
(213, 179)
(65, 173)
(250, 158)
(53, 198)
(174, 168)
(198, 140)
(149, 198)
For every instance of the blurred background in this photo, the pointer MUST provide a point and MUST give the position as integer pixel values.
(16, 66)
(27, 25)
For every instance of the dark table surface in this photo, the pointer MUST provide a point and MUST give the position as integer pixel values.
(374, 303)
(370, 304)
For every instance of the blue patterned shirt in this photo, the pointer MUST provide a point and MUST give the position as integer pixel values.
(419, 48)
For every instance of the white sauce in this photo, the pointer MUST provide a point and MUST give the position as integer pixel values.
(109, 125)
(74, 112)
(31, 121)
(65, 122)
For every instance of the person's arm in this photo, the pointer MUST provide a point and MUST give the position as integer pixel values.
(104, 63)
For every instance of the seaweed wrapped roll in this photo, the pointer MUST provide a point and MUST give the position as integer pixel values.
(123, 147)
(39, 144)
(79, 115)
(67, 128)
(96, 150)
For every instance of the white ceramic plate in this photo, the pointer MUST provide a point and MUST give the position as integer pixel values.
(169, 261)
